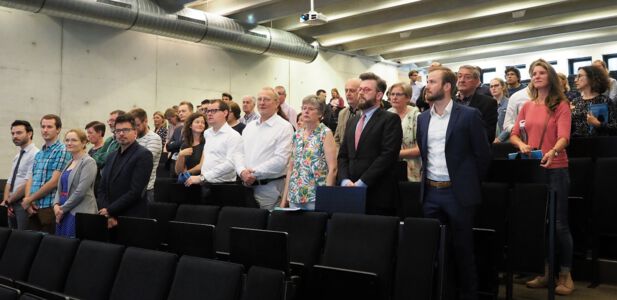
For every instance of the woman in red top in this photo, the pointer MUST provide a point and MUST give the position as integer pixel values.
(547, 120)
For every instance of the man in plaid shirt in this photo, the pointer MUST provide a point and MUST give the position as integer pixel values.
(48, 165)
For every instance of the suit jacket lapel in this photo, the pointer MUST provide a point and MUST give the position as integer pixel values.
(453, 119)
(119, 168)
(425, 122)
(351, 134)
(368, 126)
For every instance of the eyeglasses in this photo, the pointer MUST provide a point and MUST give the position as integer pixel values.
(123, 130)
(365, 90)
(579, 76)
(397, 94)
(212, 111)
(309, 108)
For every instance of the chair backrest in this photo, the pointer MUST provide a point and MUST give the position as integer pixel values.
(492, 213)
(144, 274)
(605, 146)
(8, 293)
(581, 177)
(231, 194)
(417, 253)
(19, 253)
(4, 220)
(196, 277)
(162, 188)
(605, 189)
(581, 147)
(305, 233)
(191, 239)
(91, 227)
(501, 150)
(184, 195)
(237, 217)
(264, 283)
(336, 199)
(138, 232)
(527, 215)
(330, 283)
(257, 247)
(55, 253)
(4, 237)
(363, 243)
(486, 249)
(201, 214)
(162, 212)
(93, 270)
(409, 199)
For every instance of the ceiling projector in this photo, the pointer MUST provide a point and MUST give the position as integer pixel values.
(313, 18)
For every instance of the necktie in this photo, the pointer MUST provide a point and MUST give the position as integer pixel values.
(359, 130)
(21, 153)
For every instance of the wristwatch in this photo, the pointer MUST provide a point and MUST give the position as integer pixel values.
(556, 152)
(202, 178)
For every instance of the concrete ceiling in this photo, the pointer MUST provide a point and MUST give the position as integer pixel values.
(421, 31)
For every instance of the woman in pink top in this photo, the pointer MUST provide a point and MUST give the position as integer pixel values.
(547, 120)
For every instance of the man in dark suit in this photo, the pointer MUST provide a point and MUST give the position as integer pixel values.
(455, 156)
(125, 176)
(468, 84)
(369, 151)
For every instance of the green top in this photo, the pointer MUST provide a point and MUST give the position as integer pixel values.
(109, 146)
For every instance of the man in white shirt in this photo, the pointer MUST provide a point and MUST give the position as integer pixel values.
(290, 113)
(21, 132)
(416, 85)
(515, 103)
(222, 143)
(248, 107)
(265, 152)
(455, 156)
(150, 141)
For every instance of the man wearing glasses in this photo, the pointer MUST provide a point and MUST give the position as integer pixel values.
(125, 176)
(368, 156)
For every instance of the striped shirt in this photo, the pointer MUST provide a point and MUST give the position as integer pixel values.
(152, 142)
(46, 161)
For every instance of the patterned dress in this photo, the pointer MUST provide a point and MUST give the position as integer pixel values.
(309, 164)
(66, 227)
(409, 123)
(580, 127)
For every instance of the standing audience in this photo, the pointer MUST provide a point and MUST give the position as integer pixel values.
(234, 117)
(591, 81)
(248, 107)
(190, 155)
(287, 110)
(151, 141)
(313, 158)
(95, 132)
(160, 126)
(110, 144)
(400, 96)
(500, 94)
(611, 89)
(347, 113)
(75, 192)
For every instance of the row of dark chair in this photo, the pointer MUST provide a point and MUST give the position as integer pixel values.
(51, 267)
(325, 258)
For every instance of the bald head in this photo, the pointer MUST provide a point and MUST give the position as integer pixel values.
(351, 91)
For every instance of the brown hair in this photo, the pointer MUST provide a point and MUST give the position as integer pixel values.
(57, 120)
(555, 93)
(98, 127)
(187, 133)
(597, 78)
(381, 84)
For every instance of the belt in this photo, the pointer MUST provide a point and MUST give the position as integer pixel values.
(267, 180)
(438, 184)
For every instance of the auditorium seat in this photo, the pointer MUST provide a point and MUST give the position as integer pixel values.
(417, 258)
(604, 210)
(4, 220)
(492, 213)
(191, 239)
(236, 217)
(605, 146)
(196, 277)
(91, 227)
(18, 255)
(138, 232)
(264, 283)
(144, 274)
(231, 194)
(201, 214)
(4, 238)
(409, 200)
(257, 247)
(305, 233)
(486, 251)
(93, 270)
(363, 243)
(162, 188)
(527, 215)
(9, 293)
(580, 206)
(162, 212)
(501, 150)
(52, 262)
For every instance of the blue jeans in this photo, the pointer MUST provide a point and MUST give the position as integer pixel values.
(558, 180)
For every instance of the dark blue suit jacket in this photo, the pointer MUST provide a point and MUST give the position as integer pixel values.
(467, 152)
(123, 185)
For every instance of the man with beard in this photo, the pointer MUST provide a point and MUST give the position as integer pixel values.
(455, 156)
(369, 151)
(22, 132)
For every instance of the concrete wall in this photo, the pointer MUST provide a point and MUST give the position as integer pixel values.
(82, 72)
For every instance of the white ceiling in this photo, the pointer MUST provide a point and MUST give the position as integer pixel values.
(421, 31)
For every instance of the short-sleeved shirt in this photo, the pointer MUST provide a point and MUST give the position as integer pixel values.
(25, 166)
(46, 161)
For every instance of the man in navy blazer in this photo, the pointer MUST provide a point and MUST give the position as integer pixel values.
(368, 156)
(455, 156)
(125, 176)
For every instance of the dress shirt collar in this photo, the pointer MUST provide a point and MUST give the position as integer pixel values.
(28, 148)
(370, 111)
(446, 111)
(224, 129)
(270, 122)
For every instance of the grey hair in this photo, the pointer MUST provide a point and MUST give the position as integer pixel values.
(315, 102)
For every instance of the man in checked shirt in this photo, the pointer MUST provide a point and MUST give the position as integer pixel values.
(44, 175)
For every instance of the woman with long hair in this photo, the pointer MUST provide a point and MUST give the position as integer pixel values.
(189, 157)
(547, 119)
(160, 126)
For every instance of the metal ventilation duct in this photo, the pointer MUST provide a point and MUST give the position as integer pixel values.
(186, 24)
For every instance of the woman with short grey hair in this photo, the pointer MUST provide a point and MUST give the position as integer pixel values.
(313, 157)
